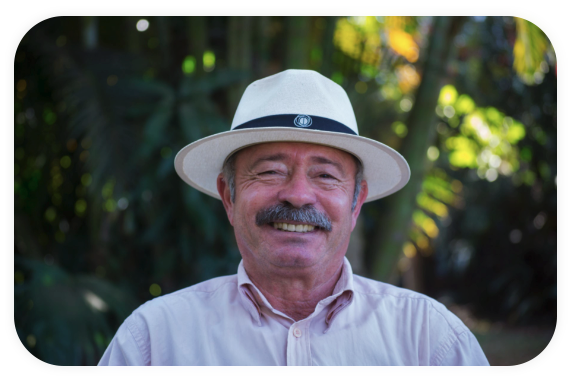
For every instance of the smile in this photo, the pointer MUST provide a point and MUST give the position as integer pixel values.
(294, 227)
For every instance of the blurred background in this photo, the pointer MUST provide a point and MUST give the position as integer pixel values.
(103, 223)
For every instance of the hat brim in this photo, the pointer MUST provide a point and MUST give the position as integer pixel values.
(200, 162)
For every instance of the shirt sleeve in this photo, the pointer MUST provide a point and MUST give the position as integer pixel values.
(124, 349)
(465, 351)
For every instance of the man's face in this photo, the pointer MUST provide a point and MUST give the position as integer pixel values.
(296, 175)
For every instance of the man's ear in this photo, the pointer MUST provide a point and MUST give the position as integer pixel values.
(224, 192)
(360, 201)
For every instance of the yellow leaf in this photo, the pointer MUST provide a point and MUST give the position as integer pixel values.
(448, 95)
(402, 43)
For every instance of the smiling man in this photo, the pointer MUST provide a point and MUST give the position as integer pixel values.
(292, 214)
(293, 174)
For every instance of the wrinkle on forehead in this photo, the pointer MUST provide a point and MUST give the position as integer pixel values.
(316, 158)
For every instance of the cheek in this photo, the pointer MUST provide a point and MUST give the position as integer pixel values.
(338, 208)
(250, 201)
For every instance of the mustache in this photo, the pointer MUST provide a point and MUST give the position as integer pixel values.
(304, 215)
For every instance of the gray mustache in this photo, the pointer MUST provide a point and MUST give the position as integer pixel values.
(303, 215)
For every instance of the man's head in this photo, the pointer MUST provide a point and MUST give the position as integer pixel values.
(288, 186)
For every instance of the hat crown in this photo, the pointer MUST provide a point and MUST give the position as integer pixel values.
(304, 92)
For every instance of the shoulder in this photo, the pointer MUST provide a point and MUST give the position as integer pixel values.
(403, 301)
(165, 319)
(189, 301)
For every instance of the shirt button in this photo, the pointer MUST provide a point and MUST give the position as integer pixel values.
(297, 333)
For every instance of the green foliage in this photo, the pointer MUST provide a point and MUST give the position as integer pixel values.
(66, 319)
(486, 139)
(529, 51)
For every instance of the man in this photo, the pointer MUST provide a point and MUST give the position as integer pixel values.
(295, 174)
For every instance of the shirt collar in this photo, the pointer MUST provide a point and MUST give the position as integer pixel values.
(341, 297)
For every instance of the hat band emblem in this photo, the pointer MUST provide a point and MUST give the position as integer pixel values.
(303, 120)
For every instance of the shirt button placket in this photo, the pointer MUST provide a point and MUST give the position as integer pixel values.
(298, 347)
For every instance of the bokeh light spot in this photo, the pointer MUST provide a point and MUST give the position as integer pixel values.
(64, 226)
(526, 154)
(18, 277)
(142, 25)
(60, 236)
(338, 78)
(433, 153)
(491, 174)
(189, 64)
(399, 128)
(110, 205)
(155, 290)
(404, 264)
(65, 161)
(83, 156)
(20, 118)
(122, 203)
(361, 87)
(31, 340)
(50, 214)
(515, 236)
(71, 145)
(61, 41)
(86, 179)
(409, 250)
(50, 117)
(448, 95)
(449, 111)
(86, 143)
(112, 80)
(539, 220)
(80, 207)
(147, 195)
(405, 104)
(21, 85)
(209, 60)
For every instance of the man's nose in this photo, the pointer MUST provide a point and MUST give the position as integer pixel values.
(297, 191)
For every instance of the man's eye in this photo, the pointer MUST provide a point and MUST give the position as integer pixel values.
(326, 176)
(270, 172)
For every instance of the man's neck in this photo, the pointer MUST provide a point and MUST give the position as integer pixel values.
(296, 297)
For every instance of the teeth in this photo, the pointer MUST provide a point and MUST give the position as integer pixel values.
(294, 227)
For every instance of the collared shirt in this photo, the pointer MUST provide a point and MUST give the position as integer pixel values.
(227, 321)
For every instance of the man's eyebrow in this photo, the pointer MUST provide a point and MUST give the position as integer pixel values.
(324, 160)
(268, 158)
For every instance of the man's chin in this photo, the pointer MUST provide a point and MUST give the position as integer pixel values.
(294, 259)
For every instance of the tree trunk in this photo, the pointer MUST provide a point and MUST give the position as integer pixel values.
(298, 42)
(134, 39)
(198, 40)
(355, 252)
(262, 46)
(164, 43)
(328, 44)
(90, 32)
(239, 55)
(387, 245)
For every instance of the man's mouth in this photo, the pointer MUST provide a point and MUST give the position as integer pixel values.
(294, 227)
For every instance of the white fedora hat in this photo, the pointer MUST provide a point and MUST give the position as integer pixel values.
(293, 106)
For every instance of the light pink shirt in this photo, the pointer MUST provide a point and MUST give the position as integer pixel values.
(227, 321)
